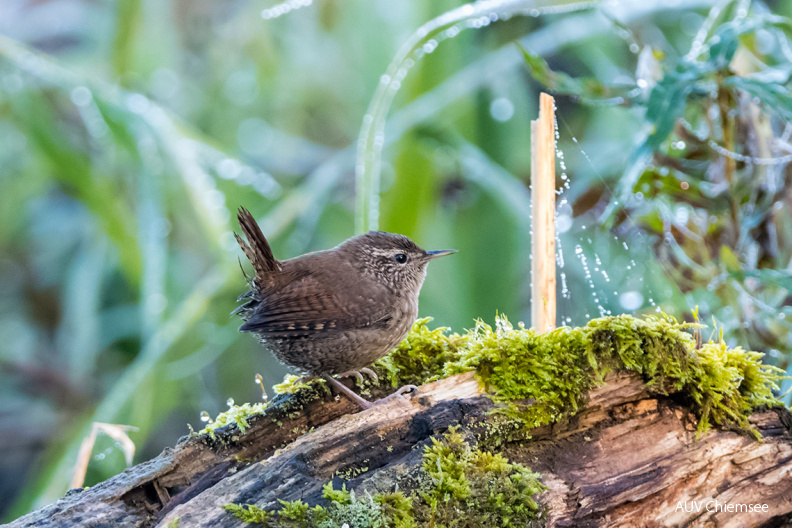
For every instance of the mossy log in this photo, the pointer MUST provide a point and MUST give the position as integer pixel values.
(629, 458)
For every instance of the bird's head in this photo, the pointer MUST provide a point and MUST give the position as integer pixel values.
(393, 259)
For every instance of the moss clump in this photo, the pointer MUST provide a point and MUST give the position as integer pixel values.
(396, 509)
(239, 414)
(293, 511)
(541, 378)
(474, 488)
(249, 513)
(341, 496)
(344, 508)
(292, 384)
(422, 355)
(459, 487)
(537, 377)
(728, 383)
(236, 414)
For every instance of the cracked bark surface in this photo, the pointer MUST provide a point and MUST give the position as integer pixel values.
(631, 458)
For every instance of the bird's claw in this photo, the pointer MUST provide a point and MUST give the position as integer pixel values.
(370, 373)
(352, 374)
(398, 394)
(405, 388)
(358, 375)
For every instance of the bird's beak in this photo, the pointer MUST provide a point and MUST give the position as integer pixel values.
(440, 253)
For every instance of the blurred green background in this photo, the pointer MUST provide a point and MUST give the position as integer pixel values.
(132, 130)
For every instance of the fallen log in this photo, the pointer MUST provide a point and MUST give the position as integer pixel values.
(629, 459)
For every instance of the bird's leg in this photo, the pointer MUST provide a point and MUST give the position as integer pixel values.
(349, 393)
(365, 404)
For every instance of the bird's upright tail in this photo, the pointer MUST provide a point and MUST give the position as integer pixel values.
(256, 249)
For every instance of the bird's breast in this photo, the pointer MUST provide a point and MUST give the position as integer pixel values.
(405, 313)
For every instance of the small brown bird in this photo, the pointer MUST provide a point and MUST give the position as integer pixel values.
(334, 312)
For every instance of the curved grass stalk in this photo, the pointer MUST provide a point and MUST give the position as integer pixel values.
(423, 41)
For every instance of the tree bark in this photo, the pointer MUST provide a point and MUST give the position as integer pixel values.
(631, 458)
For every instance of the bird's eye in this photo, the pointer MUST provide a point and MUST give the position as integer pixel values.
(401, 258)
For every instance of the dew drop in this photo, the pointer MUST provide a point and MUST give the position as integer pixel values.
(631, 300)
(81, 96)
(501, 109)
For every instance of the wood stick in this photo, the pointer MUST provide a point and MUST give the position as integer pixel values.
(543, 266)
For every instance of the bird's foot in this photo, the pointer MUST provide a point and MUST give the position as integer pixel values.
(370, 373)
(358, 375)
(362, 403)
(397, 394)
(352, 374)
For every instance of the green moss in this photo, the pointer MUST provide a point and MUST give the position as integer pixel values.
(236, 414)
(396, 509)
(728, 383)
(541, 378)
(475, 488)
(292, 384)
(459, 486)
(239, 414)
(249, 513)
(351, 472)
(359, 512)
(293, 511)
(422, 355)
(341, 496)
(174, 523)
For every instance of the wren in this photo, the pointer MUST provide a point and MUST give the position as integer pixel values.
(334, 312)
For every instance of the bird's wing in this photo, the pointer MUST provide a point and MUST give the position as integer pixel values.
(293, 312)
